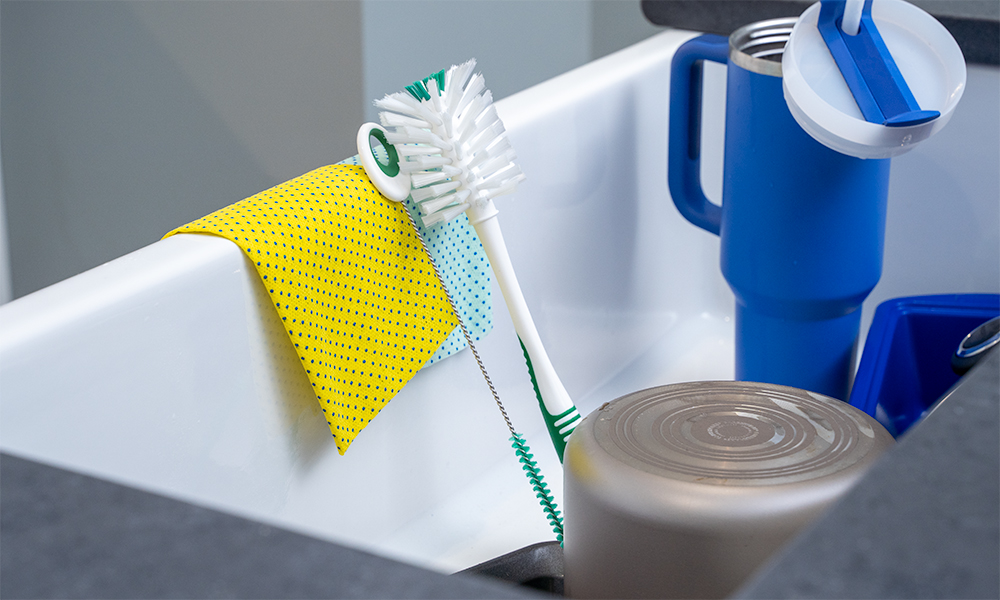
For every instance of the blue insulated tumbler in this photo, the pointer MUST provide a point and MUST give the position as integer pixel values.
(801, 225)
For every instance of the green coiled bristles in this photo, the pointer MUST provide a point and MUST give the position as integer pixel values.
(545, 498)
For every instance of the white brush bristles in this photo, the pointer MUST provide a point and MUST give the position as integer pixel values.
(452, 142)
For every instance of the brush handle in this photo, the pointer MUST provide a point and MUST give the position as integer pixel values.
(561, 415)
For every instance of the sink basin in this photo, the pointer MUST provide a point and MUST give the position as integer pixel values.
(167, 369)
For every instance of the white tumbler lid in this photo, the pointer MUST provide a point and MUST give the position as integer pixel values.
(926, 55)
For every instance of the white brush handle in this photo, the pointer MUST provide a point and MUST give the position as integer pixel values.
(553, 394)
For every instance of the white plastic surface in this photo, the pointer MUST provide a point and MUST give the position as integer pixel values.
(818, 97)
(853, 9)
(554, 394)
(167, 369)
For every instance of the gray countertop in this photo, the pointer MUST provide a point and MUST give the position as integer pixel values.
(975, 24)
(923, 523)
(66, 535)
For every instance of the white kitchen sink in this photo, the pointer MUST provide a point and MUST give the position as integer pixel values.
(167, 369)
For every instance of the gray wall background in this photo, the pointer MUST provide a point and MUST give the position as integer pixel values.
(121, 120)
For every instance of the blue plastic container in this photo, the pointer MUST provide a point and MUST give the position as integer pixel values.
(801, 226)
(906, 364)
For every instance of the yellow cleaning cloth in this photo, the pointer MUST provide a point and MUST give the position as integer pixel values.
(351, 282)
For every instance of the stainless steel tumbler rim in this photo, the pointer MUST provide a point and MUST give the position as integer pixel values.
(758, 47)
(733, 434)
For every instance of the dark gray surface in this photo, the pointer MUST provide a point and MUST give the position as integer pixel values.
(113, 135)
(975, 24)
(66, 535)
(540, 566)
(922, 524)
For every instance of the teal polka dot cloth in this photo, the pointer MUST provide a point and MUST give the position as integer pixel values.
(460, 257)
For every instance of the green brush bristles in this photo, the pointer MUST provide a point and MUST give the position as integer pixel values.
(541, 488)
(419, 88)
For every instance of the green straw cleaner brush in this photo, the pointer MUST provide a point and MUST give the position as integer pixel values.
(447, 150)
(453, 156)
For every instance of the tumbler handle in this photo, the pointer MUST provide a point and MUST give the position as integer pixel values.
(684, 137)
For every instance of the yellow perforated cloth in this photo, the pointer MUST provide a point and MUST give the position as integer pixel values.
(351, 283)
